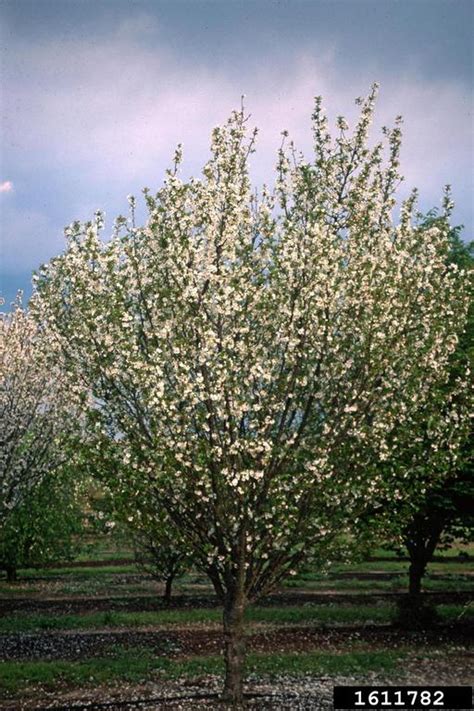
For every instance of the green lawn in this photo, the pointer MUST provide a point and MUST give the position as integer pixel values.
(105, 553)
(135, 665)
(125, 581)
(100, 581)
(301, 615)
(400, 566)
(452, 552)
(80, 580)
(79, 572)
(449, 582)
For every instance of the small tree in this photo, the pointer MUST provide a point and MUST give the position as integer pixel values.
(160, 549)
(161, 553)
(434, 518)
(445, 516)
(256, 358)
(43, 528)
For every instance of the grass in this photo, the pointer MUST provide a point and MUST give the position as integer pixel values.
(316, 582)
(105, 554)
(389, 567)
(130, 665)
(79, 573)
(452, 552)
(70, 585)
(98, 582)
(324, 663)
(109, 619)
(451, 613)
(305, 614)
(136, 665)
(323, 614)
(76, 579)
(400, 566)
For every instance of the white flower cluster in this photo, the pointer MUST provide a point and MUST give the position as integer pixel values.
(36, 407)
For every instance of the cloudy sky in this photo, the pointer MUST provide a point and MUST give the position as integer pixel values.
(96, 94)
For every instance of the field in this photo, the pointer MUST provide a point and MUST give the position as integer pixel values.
(97, 635)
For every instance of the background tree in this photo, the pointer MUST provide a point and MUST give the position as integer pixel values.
(256, 358)
(441, 513)
(160, 550)
(445, 516)
(44, 527)
(36, 408)
(159, 546)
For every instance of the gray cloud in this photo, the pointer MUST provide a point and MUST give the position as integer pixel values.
(96, 118)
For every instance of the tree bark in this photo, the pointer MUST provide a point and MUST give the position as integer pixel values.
(416, 573)
(421, 545)
(414, 611)
(234, 650)
(168, 588)
(11, 573)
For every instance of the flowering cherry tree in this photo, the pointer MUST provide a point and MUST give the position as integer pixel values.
(255, 357)
(35, 408)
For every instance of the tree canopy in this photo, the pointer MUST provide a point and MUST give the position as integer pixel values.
(37, 412)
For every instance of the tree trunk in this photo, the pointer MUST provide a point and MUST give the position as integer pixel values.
(234, 650)
(11, 573)
(168, 587)
(415, 573)
(414, 612)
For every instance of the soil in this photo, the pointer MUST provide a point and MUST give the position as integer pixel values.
(137, 603)
(439, 655)
(281, 693)
(192, 642)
